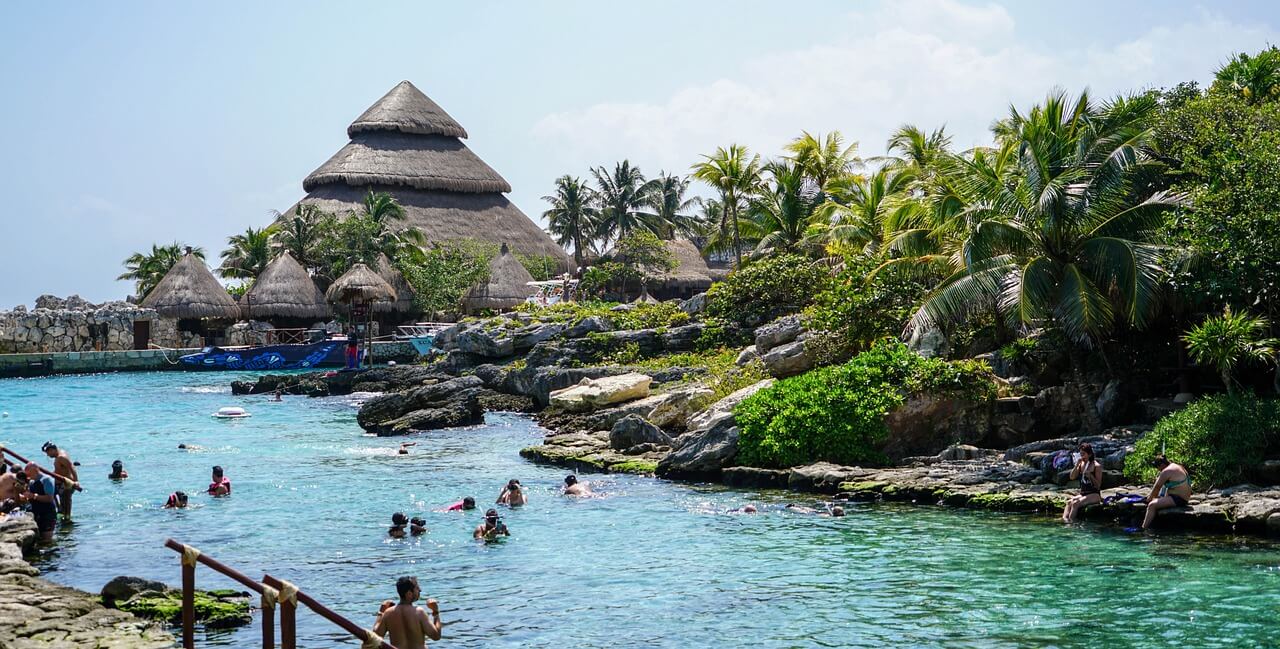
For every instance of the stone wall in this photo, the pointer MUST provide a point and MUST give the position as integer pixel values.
(74, 325)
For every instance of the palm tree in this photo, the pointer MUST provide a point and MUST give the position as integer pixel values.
(620, 195)
(670, 207)
(1230, 340)
(1064, 238)
(247, 254)
(824, 159)
(918, 150)
(301, 234)
(782, 212)
(573, 218)
(382, 207)
(734, 173)
(147, 269)
(1256, 78)
(862, 212)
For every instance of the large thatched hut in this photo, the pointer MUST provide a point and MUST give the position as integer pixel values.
(408, 146)
(402, 306)
(690, 276)
(191, 294)
(285, 295)
(360, 285)
(507, 287)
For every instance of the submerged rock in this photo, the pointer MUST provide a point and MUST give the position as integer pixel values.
(215, 609)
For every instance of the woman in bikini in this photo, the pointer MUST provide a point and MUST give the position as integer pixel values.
(1089, 472)
(1172, 489)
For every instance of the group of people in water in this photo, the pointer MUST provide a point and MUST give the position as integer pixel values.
(1171, 489)
(491, 527)
(32, 488)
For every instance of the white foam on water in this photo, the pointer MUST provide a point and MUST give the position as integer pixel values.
(206, 389)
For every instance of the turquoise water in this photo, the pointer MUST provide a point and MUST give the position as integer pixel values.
(649, 563)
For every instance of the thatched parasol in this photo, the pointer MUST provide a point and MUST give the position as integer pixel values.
(407, 146)
(508, 285)
(404, 292)
(360, 284)
(284, 290)
(190, 291)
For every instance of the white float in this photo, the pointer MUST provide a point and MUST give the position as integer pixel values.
(231, 412)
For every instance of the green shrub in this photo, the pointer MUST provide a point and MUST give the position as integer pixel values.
(853, 310)
(718, 333)
(1018, 350)
(1218, 438)
(837, 413)
(766, 289)
(641, 316)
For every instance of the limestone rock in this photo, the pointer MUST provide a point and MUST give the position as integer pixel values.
(443, 404)
(712, 441)
(746, 356)
(590, 324)
(540, 382)
(675, 407)
(489, 344)
(123, 588)
(929, 343)
(787, 359)
(525, 338)
(779, 332)
(590, 394)
(723, 408)
(695, 304)
(633, 430)
(926, 424)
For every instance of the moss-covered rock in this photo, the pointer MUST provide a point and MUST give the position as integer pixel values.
(216, 609)
(644, 467)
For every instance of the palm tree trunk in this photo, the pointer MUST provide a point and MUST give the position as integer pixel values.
(737, 241)
(1088, 408)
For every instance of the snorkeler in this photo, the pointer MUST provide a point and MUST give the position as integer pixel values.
(574, 488)
(117, 471)
(464, 504)
(221, 485)
(404, 447)
(177, 500)
(492, 527)
(417, 526)
(398, 521)
(512, 495)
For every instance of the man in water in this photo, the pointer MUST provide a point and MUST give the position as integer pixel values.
(63, 466)
(117, 471)
(465, 504)
(398, 521)
(512, 495)
(417, 526)
(221, 485)
(279, 394)
(404, 447)
(407, 625)
(177, 500)
(40, 494)
(574, 488)
(491, 528)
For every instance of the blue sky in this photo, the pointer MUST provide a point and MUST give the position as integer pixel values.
(129, 123)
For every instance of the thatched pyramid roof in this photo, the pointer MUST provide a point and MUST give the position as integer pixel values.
(691, 270)
(284, 290)
(361, 283)
(508, 285)
(407, 146)
(404, 292)
(189, 290)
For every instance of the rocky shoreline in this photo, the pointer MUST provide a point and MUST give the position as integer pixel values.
(668, 422)
(35, 613)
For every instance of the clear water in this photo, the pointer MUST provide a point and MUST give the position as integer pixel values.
(650, 563)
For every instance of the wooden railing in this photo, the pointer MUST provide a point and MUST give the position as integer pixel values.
(273, 591)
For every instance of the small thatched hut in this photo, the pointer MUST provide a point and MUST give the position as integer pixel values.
(190, 294)
(508, 285)
(284, 292)
(403, 304)
(408, 146)
(360, 285)
(691, 274)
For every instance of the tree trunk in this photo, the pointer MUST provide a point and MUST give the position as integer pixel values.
(1088, 407)
(737, 242)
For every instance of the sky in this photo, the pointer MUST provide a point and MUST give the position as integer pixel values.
(130, 123)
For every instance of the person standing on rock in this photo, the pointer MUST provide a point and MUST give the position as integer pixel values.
(407, 625)
(1172, 489)
(41, 495)
(1089, 472)
(63, 466)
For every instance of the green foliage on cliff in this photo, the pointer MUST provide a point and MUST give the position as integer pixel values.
(856, 309)
(766, 289)
(1219, 439)
(442, 275)
(639, 316)
(837, 413)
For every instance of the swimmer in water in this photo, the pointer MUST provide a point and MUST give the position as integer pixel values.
(398, 521)
(491, 528)
(117, 471)
(467, 503)
(574, 488)
(279, 394)
(512, 495)
(417, 526)
(404, 447)
(177, 500)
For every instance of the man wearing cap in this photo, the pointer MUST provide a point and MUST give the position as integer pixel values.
(491, 528)
(63, 466)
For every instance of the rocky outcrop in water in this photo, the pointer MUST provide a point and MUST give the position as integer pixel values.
(441, 404)
(711, 442)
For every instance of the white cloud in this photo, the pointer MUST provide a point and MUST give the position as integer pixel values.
(926, 62)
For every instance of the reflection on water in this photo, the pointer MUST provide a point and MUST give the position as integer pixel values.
(647, 563)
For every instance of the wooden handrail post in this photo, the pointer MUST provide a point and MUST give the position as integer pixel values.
(321, 610)
(268, 628)
(188, 606)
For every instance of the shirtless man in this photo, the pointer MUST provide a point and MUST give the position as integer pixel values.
(8, 489)
(407, 625)
(491, 528)
(62, 465)
(512, 495)
(574, 488)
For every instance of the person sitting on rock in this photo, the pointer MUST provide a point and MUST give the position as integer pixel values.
(398, 521)
(574, 488)
(491, 528)
(512, 495)
(465, 504)
(117, 471)
(221, 484)
(417, 526)
(1089, 472)
(1172, 489)
(177, 500)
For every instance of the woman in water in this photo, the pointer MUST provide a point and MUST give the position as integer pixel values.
(512, 495)
(1089, 472)
(1172, 489)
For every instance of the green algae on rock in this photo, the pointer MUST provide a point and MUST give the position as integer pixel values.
(215, 609)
